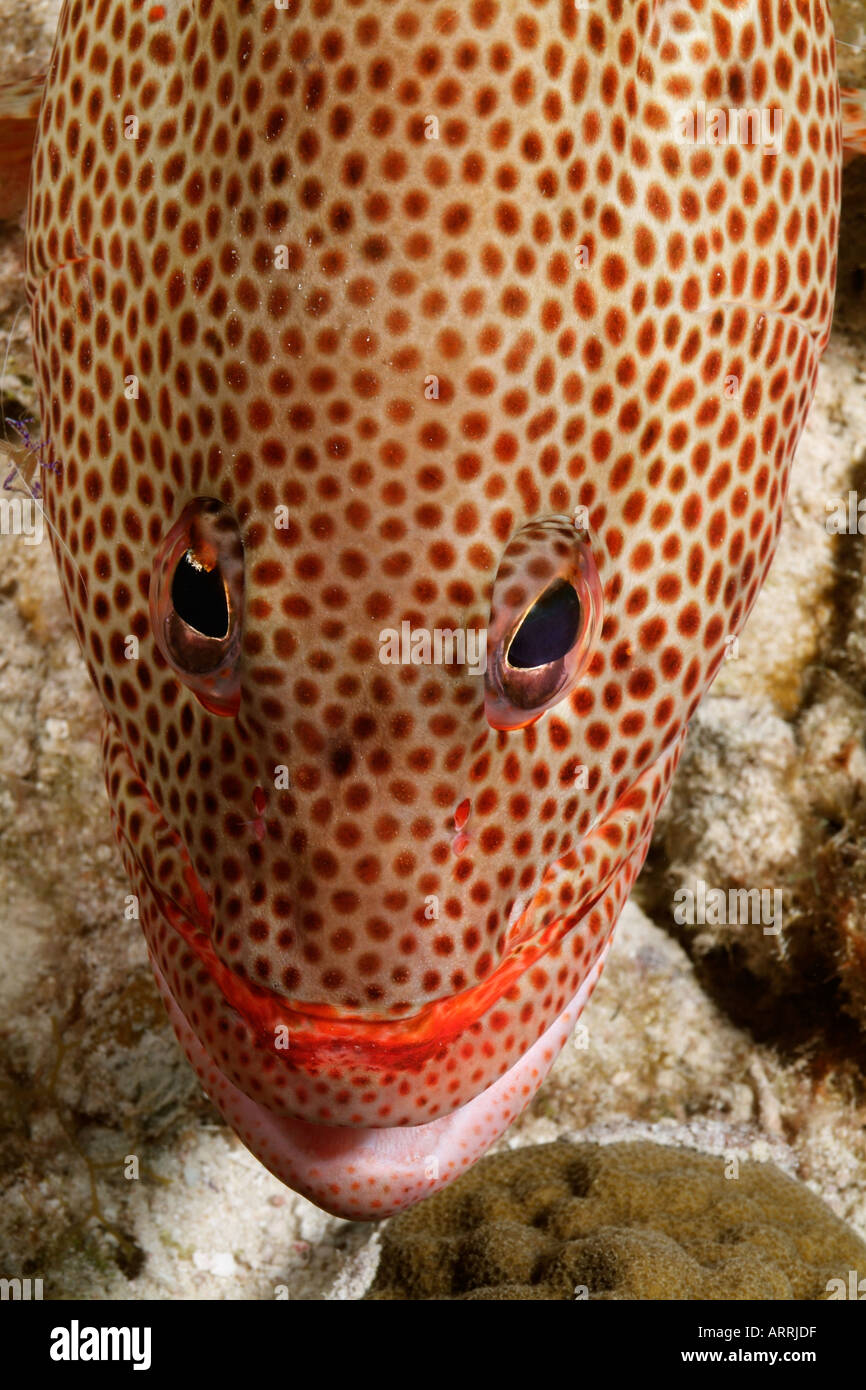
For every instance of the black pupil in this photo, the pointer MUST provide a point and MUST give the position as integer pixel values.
(199, 597)
(549, 630)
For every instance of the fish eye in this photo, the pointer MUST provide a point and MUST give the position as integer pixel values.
(546, 615)
(549, 630)
(196, 602)
(199, 596)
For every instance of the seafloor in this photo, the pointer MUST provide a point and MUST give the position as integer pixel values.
(713, 1038)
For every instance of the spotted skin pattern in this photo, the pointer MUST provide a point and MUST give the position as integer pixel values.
(490, 197)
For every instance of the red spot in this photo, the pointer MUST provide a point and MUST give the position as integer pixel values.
(461, 815)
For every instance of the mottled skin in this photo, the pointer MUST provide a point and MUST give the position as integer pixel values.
(301, 914)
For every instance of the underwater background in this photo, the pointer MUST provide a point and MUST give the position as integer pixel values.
(712, 1039)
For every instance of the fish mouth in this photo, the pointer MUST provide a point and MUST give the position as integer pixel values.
(322, 1036)
(325, 1036)
(319, 1066)
(361, 1174)
(289, 1075)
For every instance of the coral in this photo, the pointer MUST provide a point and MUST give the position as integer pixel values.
(632, 1220)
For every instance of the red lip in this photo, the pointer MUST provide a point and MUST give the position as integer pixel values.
(322, 1036)
(365, 1172)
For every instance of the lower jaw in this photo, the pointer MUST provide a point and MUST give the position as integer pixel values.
(361, 1174)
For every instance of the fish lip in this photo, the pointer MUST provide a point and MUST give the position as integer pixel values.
(322, 1037)
(361, 1174)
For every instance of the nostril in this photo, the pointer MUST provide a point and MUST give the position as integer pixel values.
(341, 761)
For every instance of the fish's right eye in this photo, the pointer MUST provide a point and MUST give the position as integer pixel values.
(545, 620)
(549, 630)
(196, 603)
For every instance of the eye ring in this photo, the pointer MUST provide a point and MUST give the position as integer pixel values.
(546, 618)
(196, 602)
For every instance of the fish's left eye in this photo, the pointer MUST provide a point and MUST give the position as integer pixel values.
(196, 602)
(546, 616)
(199, 596)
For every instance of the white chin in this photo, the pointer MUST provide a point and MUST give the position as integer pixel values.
(362, 1174)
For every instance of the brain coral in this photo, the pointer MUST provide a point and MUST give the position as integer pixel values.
(617, 1221)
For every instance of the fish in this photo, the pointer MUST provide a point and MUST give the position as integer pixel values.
(19, 113)
(424, 382)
